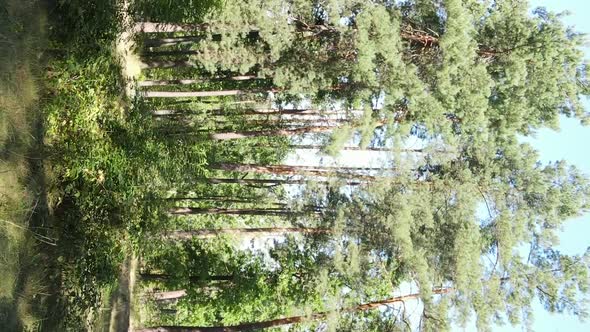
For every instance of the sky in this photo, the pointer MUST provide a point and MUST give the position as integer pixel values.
(570, 144)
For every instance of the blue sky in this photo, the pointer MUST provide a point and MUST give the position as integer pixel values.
(570, 144)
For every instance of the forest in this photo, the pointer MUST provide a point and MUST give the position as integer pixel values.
(286, 165)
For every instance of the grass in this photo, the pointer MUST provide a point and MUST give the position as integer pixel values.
(66, 168)
(81, 162)
(23, 287)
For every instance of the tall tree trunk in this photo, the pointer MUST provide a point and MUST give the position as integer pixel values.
(255, 181)
(277, 132)
(291, 169)
(223, 112)
(187, 211)
(171, 41)
(192, 94)
(196, 81)
(289, 320)
(167, 296)
(358, 148)
(224, 134)
(182, 63)
(273, 181)
(352, 148)
(167, 311)
(156, 27)
(270, 114)
(221, 199)
(184, 40)
(210, 233)
(166, 277)
(169, 53)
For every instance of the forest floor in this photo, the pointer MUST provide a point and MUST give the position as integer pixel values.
(64, 256)
(26, 242)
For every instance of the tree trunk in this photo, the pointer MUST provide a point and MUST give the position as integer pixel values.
(196, 81)
(255, 181)
(245, 112)
(273, 181)
(166, 277)
(183, 63)
(289, 320)
(155, 27)
(167, 296)
(169, 53)
(210, 102)
(192, 94)
(167, 311)
(290, 169)
(278, 132)
(352, 148)
(187, 211)
(222, 199)
(171, 41)
(210, 233)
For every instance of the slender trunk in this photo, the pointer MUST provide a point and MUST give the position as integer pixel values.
(187, 211)
(186, 196)
(187, 40)
(277, 132)
(283, 123)
(254, 181)
(272, 181)
(211, 233)
(223, 134)
(174, 295)
(167, 296)
(188, 94)
(223, 112)
(193, 94)
(222, 199)
(290, 320)
(155, 27)
(290, 169)
(169, 53)
(353, 148)
(357, 148)
(166, 277)
(167, 311)
(171, 41)
(225, 103)
(183, 63)
(196, 81)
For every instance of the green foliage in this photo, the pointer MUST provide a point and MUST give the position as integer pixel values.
(183, 11)
(86, 26)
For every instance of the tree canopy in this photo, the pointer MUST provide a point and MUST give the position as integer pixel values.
(470, 218)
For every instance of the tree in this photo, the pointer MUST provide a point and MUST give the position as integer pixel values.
(287, 320)
(209, 233)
